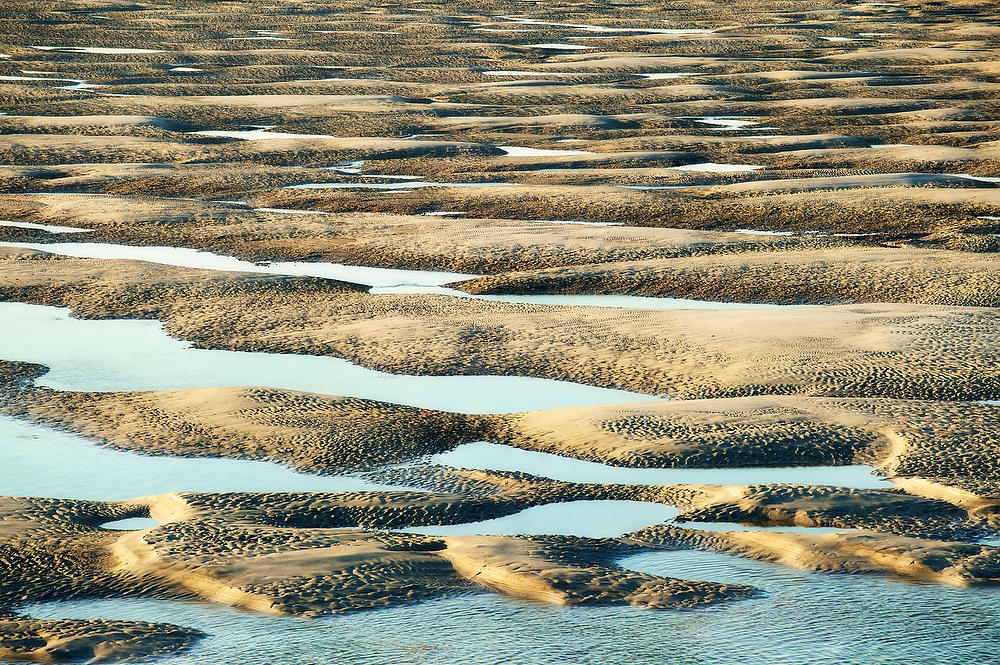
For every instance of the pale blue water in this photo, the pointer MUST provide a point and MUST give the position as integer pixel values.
(381, 280)
(591, 519)
(126, 354)
(131, 524)
(801, 619)
(804, 618)
(193, 258)
(41, 461)
(498, 457)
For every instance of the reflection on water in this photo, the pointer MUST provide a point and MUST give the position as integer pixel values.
(802, 619)
(131, 524)
(594, 519)
(51, 228)
(590, 519)
(127, 354)
(381, 280)
(193, 258)
(40, 461)
(498, 457)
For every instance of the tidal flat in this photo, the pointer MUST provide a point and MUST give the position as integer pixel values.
(470, 332)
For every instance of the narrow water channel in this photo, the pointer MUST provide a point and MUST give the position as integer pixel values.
(129, 354)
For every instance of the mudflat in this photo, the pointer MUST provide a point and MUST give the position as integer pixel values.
(747, 249)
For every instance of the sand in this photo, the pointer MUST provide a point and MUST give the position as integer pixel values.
(792, 277)
(96, 640)
(960, 564)
(267, 553)
(864, 183)
(897, 350)
(318, 433)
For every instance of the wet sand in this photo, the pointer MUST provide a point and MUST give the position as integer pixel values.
(840, 156)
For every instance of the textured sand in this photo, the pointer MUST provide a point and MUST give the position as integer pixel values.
(867, 137)
(948, 443)
(889, 350)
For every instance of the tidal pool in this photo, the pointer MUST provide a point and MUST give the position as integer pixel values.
(258, 132)
(45, 462)
(756, 232)
(572, 222)
(258, 38)
(523, 72)
(713, 167)
(725, 122)
(75, 84)
(801, 618)
(662, 76)
(499, 457)
(593, 519)
(292, 211)
(51, 228)
(192, 258)
(101, 50)
(518, 151)
(381, 280)
(590, 519)
(520, 20)
(403, 185)
(129, 354)
(131, 524)
(559, 47)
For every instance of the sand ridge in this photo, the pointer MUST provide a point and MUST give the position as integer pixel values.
(838, 154)
(903, 351)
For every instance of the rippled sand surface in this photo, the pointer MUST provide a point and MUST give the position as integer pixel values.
(491, 331)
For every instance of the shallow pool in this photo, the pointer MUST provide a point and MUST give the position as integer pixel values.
(131, 524)
(590, 519)
(193, 258)
(594, 519)
(129, 354)
(41, 461)
(498, 457)
(380, 280)
(51, 228)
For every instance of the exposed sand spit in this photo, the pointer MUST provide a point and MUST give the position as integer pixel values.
(318, 433)
(285, 554)
(904, 351)
(519, 568)
(961, 564)
(797, 277)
